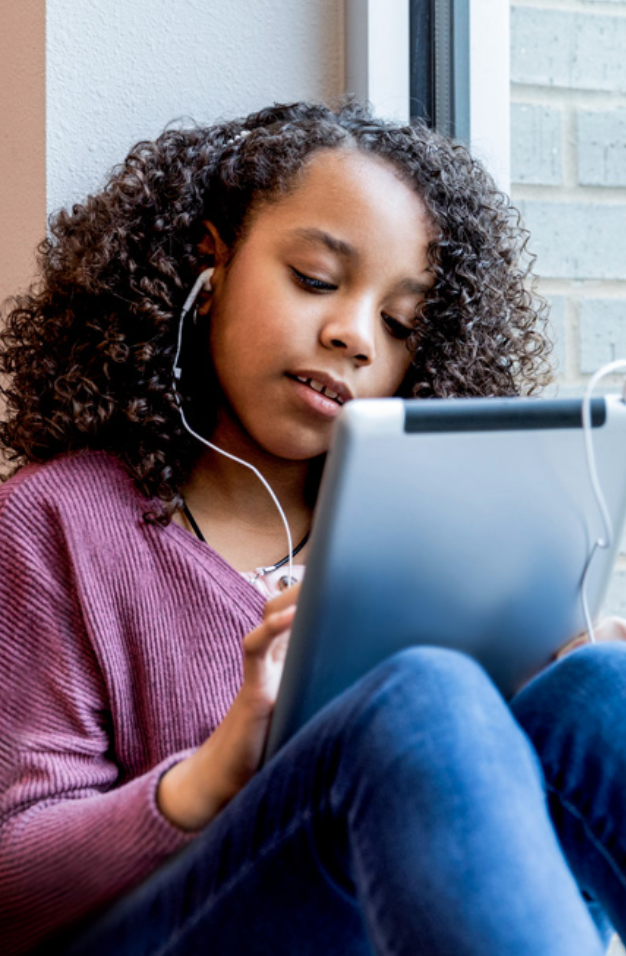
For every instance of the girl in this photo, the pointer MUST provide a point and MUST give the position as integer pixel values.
(341, 257)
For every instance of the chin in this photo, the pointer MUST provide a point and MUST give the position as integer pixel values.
(302, 455)
(296, 444)
(297, 451)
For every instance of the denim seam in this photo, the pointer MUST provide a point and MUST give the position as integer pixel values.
(589, 832)
(243, 871)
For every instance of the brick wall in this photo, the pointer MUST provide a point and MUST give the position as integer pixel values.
(568, 172)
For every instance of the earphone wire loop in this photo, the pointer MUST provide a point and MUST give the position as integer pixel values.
(204, 280)
(605, 542)
(258, 474)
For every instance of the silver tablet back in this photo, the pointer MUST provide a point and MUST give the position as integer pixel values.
(464, 523)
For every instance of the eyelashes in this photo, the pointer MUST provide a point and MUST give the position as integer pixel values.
(396, 329)
(310, 283)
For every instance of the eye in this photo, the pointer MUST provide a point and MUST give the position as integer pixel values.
(397, 329)
(317, 285)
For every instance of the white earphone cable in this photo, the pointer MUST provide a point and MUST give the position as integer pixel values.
(606, 541)
(204, 280)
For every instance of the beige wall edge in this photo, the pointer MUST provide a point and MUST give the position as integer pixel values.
(22, 140)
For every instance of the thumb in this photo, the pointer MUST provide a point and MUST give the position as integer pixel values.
(258, 641)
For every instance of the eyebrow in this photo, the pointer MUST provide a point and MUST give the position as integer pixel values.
(331, 242)
(344, 249)
(412, 287)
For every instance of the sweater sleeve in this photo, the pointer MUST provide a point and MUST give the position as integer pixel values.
(73, 835)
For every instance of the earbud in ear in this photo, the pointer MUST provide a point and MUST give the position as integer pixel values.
(202, 282)
(207, 277)
(207, 286)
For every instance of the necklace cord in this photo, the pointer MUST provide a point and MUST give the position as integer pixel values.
(262, 571)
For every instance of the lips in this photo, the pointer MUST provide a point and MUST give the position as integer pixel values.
(320, 382)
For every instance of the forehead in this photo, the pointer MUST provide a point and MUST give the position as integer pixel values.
(357, 198)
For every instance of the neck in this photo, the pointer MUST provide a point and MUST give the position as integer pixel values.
(221, 490)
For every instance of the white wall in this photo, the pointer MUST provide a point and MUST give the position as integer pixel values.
(121, 70)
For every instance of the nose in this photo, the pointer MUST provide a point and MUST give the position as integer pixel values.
(351, 327)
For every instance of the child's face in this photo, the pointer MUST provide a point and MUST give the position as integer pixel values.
(324, 289)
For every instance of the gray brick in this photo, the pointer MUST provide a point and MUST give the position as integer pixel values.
(535, 144)
(615, 601)
(602, 147)
(602, 332)
(582, 51)
(577, 240)
(557, 323)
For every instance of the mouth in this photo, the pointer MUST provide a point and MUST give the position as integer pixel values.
(324, 385)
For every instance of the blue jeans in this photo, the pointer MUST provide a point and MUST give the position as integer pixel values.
(413, 815)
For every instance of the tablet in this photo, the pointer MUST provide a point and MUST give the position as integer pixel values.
(462, 523)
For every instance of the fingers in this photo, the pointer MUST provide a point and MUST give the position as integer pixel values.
(611, 629)
(578, 641)
(267, 644)
(276, 623)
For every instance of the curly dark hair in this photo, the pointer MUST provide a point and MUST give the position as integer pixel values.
(87, 353)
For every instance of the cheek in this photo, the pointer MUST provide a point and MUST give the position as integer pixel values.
(226, 353)
(230, 332)
(397, 366)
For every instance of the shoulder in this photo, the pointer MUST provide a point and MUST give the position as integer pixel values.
(80, 519)
(69, 487)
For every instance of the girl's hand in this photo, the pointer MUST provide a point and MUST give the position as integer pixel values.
(609, 629)
(264, 651)
(193, 791)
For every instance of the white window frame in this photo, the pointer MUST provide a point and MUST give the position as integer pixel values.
(378, 70)
(377, 55)
(490, 87)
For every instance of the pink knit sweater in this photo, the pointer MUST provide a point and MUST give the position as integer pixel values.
(120, 651)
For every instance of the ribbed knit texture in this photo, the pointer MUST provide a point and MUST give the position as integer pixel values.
(120, 651)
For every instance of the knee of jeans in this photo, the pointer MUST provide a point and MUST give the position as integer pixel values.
(595, 671)
(584, 688)
(436, 691)
(436, 711)
(433, 668)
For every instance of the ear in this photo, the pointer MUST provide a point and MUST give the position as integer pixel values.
(212, 247)
(213, 253)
